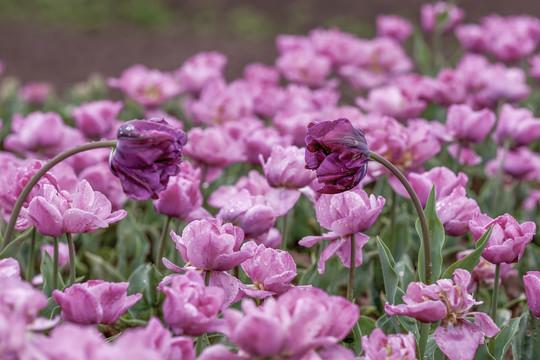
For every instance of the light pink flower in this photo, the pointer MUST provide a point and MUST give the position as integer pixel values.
(431, 13)
(467, 125)
(94, 302)
(449, 302)
(98, 119)
(261, 141)
(286, 168)
(200, 69)
(379, 346)
(35, 93)
(9, 267)
(394, 27)
(455, 211)
(517, 125)
(261, 74)
(534, 67)
(148, 87)
(484, 272)
(63, 253)
(59, 345)
(304, 66)
(508, 238)
(209, 244)
(444, 179)
(213, 146)
(392, 101)
(532, 290)
(190, 307)
(101, 179)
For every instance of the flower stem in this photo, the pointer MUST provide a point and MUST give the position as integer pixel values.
(284, 231)
(457, 162)
(72, 270)
(161, 248)
(8, 235)
(418, 207)
(352, 265)
(494, 299)
(55, 264)
(498, 177)
(31, 257)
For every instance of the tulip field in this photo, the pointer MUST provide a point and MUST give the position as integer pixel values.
(353, 198)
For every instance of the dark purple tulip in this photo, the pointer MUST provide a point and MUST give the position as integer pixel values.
(147, 154)
(338, 152)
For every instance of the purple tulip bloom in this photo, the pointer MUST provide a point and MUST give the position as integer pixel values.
(508, 238)
(532, 290)
(338, 152)
(209, 244)
(379, 346)
(190, 307)
(94, 302)
(147, 154)
(449, 302)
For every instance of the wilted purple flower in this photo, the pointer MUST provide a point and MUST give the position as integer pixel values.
(148, 87)
(517, 125)
(147, 154)
(209, 244)
(432, 13)
(338, 152)
(253, 213)
(286, 168)
(394, 27)
(200, 69)
(270, 270)
(94, 302)
(284, 328)
(449, 302)
(532, 290)
(379, 346)
(190, 307)
(508, 238)
(97, 119)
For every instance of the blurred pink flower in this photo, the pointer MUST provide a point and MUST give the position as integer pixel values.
(200, 69)
(35, 93)
(285, 167)
(63, 253)
(532, 290)
(98, 119)
(441, 14)
(94, 302)
(517, 125)
(379, 346)
(394, 27)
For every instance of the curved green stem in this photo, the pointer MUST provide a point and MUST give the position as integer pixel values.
(352, 265)
(163, 239)
(418, 207)
(8, 235)
(72, 270)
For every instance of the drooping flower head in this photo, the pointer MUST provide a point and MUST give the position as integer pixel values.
(338, 152)
(147, 154)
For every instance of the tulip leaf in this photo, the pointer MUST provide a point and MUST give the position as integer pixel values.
(13, 247)
(470, 261)
(390, 276)
(482, 353)
(101, 269)
(432, 351)
(526, 342)
(504, 338)
(437, 240)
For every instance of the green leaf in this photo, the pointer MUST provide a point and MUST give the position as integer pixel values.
(357, 348)
(13, 247)
(390, 276)
(504, 338)
(437, 239)
(101, 269)
(366, 325)
(526, 343)
(470, 261)
(483, 353)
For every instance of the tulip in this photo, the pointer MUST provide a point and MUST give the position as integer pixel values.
(532, 290)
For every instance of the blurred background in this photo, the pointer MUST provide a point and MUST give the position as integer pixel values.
(65, 41)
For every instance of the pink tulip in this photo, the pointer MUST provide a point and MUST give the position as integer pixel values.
(286, 168)
(98, 119)
(200, 69)
(94, 302)
(532, 290)
(379, 346)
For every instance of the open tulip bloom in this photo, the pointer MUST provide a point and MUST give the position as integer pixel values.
(206, 228)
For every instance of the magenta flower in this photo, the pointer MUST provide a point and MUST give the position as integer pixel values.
(253, 213)
(286, 168)
(532, 290)
(394, 27)
(449, 302)
(97, 119)
(508, 238)
(94, 302)
(379, 346)
(338, 152)
(209, 244)
(182, 198)
(283, 328)
(190, 307)
(517, 125)
(270, 270)
(147, 154)
(148, 87)
(431, 13)
(200, 69)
